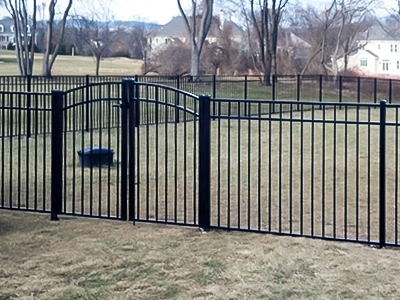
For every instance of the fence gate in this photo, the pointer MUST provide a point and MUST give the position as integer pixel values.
(87, 145)
(163, 152)
(146, 138)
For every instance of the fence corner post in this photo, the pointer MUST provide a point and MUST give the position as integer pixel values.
(204, 162)
(57, 98)
(382, 175)
(87, 100)
(127, 122)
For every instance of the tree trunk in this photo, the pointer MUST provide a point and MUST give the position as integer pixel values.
(195, 64)
(47, 62)
(98, 58)
(197, 34)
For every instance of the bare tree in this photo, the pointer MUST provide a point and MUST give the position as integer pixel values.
(24, 18)
(139, 46)
(332, 31)
(350, 16)
(47, 60)
(225, 55)
(173, 59)
(97, 33)
(203, 10)
(263, 19)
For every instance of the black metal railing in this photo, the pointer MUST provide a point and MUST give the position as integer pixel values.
(25, 166)
(320, 169)
(252, 87)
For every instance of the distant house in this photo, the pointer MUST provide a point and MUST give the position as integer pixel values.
(7, 32)
(379, 54)
(175, 32)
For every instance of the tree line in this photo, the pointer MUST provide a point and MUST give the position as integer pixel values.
(279, 36)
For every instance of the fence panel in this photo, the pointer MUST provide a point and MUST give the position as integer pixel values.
(392, 174)
(284, 167)
(92, 123)
(297, 172)
(166, 151)
(25, 174)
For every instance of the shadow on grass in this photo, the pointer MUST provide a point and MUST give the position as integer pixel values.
(13, 222)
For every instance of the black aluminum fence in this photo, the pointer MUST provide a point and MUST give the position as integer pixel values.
(320, 169)
(25, 165)
(324, 170)
(281, 87)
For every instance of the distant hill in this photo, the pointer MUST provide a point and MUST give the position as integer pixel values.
(127, 24)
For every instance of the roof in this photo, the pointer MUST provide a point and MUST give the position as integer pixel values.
(378, 33)
(177, 28)
(362, 51)
(287, 39)
(7, 23)
(371, 53)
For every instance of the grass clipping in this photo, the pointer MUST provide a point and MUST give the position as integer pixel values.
(79, 258)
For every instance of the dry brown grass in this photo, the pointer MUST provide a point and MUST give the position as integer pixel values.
(79, 258)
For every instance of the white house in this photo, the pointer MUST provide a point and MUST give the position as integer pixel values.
(7, 33)
(379, 54)
(175, 31)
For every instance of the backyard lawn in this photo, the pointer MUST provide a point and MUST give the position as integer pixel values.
(314, 172)
(80, 258)
(72, 65)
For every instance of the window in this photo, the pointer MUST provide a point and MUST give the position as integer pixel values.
(363, 62)
(398, 65)
(379, 46)
(28, 28)
(1, 28)
(391, 48)
(395, 48)
(12, 28)
(385, 66)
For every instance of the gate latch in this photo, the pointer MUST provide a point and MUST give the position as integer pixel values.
(119, 105)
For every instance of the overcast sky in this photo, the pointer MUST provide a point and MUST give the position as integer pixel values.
(157, 11)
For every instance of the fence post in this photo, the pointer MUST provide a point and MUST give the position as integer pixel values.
(320, 89)
(87, 91)
(245, 96)
(382, 175)
(273, 92)
(214, 93)
(136, 98)
(133, 103)
(204, 161)
(245, 87)
(298, 91)
(214, 86)
(358, 89)
(28, 106)
(390, 91)
(57, 98)
(375, 89)
(178, 86)
(124, 148)
(340, 90)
